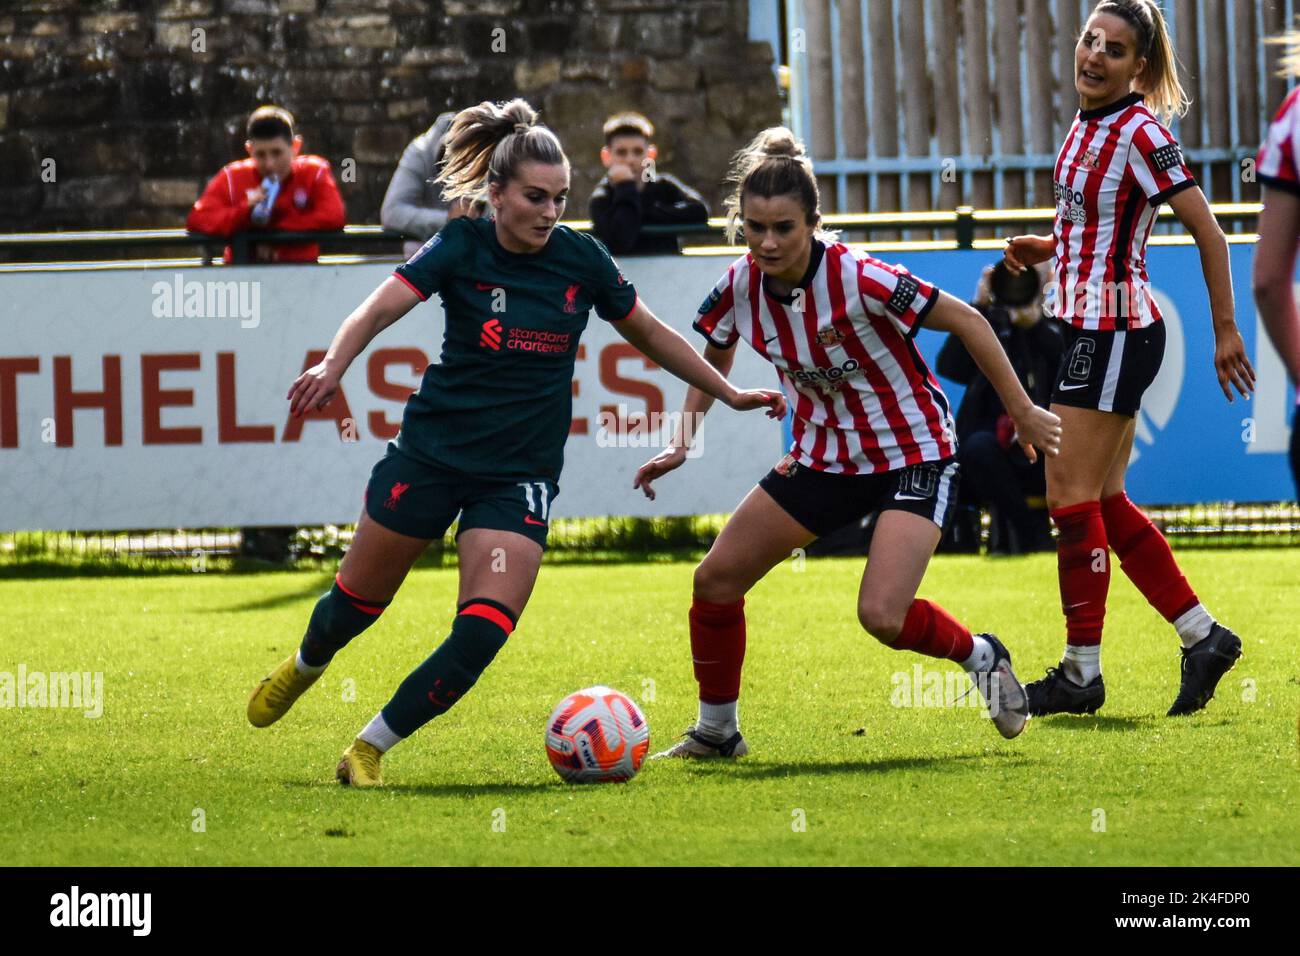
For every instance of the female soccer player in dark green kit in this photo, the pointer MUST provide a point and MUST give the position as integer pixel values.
(483, 437)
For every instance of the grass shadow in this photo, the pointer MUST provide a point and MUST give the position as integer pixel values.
(439, 789)
(313, 588)
(1084, 722)
(755, 770)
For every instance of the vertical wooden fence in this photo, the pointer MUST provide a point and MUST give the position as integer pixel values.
(917, 105)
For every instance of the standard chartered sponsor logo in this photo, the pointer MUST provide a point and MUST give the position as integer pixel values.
(538, 340)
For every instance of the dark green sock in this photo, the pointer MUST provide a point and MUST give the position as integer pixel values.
(479, 631)
(337, 618)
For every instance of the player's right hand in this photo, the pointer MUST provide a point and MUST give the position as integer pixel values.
(753, 398)
(1038, 427)
(313, 389)
(1232, 365)
(255, 196)
(1023, 252)
(667, 460)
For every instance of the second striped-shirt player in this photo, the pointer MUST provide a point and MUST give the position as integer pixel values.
(872, 432)
(1279, 235)
(1118, 164)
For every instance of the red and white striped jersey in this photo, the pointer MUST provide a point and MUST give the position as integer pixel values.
(843, 345)
(1117, 166)
(1277, 166)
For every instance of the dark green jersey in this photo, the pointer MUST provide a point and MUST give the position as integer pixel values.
(499, 401)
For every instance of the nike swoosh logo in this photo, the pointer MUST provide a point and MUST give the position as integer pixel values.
(901, 497)
(772, 339)
(529, 519)
(1070, 388)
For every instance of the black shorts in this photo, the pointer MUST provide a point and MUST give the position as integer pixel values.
(823, 502)
(421, 500)
(1109, 371)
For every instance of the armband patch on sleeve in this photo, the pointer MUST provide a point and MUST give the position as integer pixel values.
(905, 294)
(1167, 157)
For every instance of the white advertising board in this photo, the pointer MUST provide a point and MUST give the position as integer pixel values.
(117, 411)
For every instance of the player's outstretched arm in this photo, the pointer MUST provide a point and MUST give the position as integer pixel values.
(315, 387)
(668, 348)
(1035, 427)
(694, 408)
(1230, 361)
(1274, 274)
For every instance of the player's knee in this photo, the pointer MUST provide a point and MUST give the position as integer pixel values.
(716, 584)
(368, 603)
(881, 621)
(1061, 495)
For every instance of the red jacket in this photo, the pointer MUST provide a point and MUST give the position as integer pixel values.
(309, 199)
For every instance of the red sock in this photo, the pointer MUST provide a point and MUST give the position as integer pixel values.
(930, 630)
(1083, 565)
(1145, 557)
(718, 649)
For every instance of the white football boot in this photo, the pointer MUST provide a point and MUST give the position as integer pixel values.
(694, 744)
(1007, 701)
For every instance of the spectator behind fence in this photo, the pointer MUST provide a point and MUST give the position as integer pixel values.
(634, 193)
(995, 473)
(274, 189)
(413, 205)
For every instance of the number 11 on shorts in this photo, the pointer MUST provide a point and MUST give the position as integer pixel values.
(541, 490)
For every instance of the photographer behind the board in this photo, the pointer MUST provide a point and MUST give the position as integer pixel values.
(995, 473)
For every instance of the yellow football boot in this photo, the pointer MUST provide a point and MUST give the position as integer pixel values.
(360, 765)
(276, 692)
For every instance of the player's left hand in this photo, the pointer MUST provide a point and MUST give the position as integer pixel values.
(1232, 365)
(1039, 428)
(667, 460)
(313, 389)
(768, 398)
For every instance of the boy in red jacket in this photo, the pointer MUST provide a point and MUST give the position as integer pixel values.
(274, 189)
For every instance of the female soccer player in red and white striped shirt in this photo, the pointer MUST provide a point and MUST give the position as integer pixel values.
(1279, 235)
(1118, 164)
(872, 430)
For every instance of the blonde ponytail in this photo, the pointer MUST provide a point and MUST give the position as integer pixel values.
(488, 143)
(1159, 83)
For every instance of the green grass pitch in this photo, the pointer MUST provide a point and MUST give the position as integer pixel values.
(172, 774)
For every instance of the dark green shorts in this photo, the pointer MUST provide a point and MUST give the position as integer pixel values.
(422, 500)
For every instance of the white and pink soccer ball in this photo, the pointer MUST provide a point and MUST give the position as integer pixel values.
(597, 735)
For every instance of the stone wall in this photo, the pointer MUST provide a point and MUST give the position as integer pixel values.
(113, 114)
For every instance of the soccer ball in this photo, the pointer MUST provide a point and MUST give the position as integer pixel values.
(597, 735)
